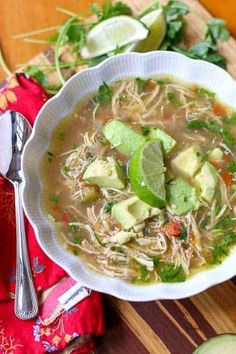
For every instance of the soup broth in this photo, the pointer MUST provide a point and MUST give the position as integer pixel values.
(139, 182)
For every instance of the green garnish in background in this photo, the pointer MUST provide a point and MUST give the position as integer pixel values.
(73, 33)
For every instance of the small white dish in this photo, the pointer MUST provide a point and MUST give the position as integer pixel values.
(80, 85)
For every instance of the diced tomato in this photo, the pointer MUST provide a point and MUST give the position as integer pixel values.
(65, 217)
(219, 110)
(227, 177)
(173, 229)
(150, 85)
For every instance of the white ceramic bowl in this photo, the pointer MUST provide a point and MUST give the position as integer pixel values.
(86, 82)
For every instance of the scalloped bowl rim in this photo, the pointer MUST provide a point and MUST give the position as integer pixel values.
(117, 67)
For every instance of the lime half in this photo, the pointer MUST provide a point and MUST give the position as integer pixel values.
(111, 34)
(155, 21)
(147, 174)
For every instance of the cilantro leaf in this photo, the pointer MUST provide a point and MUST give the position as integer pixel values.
(141, 83)
(231, 119)
(170, 274)
(202, 92)
(232, 167)
(183, 236)
(216, 30)
(145, 130)
(73, 229)
(109, 9)
(54, 199)
(214, 128)
(104, 94)
(37, 74)
(108, 206)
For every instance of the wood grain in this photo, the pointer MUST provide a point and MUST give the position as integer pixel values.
(19, 16)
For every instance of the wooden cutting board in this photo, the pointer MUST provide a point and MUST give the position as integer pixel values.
(168, 326)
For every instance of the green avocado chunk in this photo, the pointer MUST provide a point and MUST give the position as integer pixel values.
(181, 197)
(122, 137)
(106, 173)
(187, 162)
(132, 211)
(206, 181)
(222, 344)
(168, 142)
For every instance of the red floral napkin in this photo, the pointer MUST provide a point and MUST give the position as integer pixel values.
(55, 328)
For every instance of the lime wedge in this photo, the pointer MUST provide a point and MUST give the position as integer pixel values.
(111, 34)
(147, 174)
(155, 21)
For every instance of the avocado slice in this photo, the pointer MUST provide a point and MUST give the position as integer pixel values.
(106, 173)
(222, 344)
(168, 142)
(187, 162)
(122, 137)
(181, 197)
(132, 211)
(206, 180)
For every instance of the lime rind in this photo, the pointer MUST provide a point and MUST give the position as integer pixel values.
(156, 23)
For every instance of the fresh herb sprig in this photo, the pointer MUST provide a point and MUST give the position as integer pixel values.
(72, 34)
(213, 127)
(206, 49)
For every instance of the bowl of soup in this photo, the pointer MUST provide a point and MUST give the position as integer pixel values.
(129, 176)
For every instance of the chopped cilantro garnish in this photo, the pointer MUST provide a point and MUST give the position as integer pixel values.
(225, 223)
(145, 274)
(108, 206)
(155, 260)
(141, 83)
(66, 169)
(213, 127)
(170, 96)
(77, 240)
(145, 130)
(183, 236)
(232, 167)
(74, 146)
(54, 199)
(73, 229)
(104, 94)
(61, 135)
(202, 92)
(160, 82)
(170, 274)
(231, 119)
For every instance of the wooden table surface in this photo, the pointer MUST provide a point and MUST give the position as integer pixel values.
(157, 327)
(20, 16)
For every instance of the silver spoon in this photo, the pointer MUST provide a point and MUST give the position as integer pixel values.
(15, 131)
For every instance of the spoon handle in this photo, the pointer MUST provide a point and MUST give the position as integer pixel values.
(26, 303)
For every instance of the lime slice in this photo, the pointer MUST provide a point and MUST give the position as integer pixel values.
(111, 34)
(154, 5)
(155, 21)
(147, 174)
